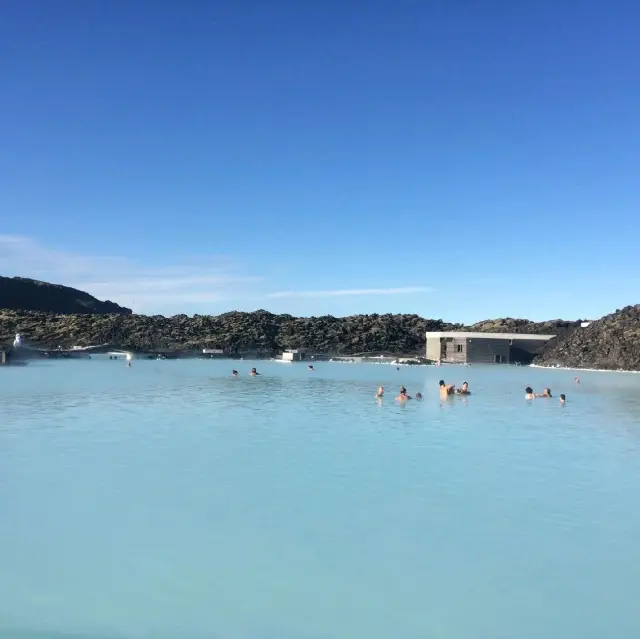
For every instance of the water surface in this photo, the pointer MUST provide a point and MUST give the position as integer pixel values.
(171, 500)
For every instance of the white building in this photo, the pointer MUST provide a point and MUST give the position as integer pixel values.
(294, 355)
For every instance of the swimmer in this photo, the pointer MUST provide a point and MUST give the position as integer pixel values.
(446, 389)
(528, 393)
(546, 393)
(418, 396)
(563, 398)
(310, 367)
(380, 392)
(254, 372)
(464, 390)
(577, 380)
(234, 373)
(403, 397)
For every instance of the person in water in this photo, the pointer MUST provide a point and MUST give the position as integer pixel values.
(577, 380)
(418, 396)
(546, 393)
(234, 373)
(464, 389)
(563, 398)
(403, 397)
(254, 372)
(446, 389)
(310, 367)
(528, 393)
(380, 392)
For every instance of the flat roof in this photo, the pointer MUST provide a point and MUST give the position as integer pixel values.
(478, 334)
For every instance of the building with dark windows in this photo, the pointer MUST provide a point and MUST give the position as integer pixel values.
(484, 348)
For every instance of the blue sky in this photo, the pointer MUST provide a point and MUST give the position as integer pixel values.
(455, 159)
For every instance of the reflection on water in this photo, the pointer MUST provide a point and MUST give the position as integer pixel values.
(171, 499)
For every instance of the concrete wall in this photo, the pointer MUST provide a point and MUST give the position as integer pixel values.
(523, 351)
(294, 356)
(484, 351)
(456, 350)
(530, 346)
(433, 348)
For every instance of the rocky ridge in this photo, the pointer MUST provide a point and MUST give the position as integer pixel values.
(50, 316)
(32, 295)
(610, 343)
(260, 332)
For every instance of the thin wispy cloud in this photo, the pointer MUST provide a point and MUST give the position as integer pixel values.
(205, 285)
(347, 292)
(167, 288)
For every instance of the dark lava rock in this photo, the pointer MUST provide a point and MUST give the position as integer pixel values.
(54, 315)
(510, 325)
(21, 293)
(259, 333)
(611, 343)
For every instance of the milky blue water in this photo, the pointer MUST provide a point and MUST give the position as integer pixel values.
(171, 500)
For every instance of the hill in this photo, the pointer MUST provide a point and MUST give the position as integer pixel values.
(21, 293)
(612, 343)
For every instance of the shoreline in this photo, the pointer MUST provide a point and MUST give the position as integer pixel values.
(260, 334)
(583, 370)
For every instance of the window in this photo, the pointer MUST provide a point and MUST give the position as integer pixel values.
(458, 348)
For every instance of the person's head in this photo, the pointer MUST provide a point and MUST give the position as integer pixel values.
(253, 370)
(234, 372)
(528, 390)
(547, 392)
(418, 395)
(465, 386)
(403, 390)
(563, 398)
(442, 383)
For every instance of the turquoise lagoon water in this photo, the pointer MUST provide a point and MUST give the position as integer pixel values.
(170, 500)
